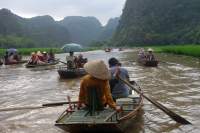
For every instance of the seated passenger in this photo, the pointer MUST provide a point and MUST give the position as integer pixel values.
(118, 88)
(141, 54)
(51, 56)
(6, 60)
(34, 59)
(71, 60)
(40, 58)
(150, 56)
(45, 57)
(11, 58)
(80, 61)
(97, 78)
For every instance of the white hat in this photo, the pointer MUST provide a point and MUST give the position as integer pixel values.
(149, 49)
(97, 69)
(32, 53)
(39, 53)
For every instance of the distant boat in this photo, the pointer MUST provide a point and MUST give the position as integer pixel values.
(153, 63)
(14, 63)
(41, 65)
(71, 73)
(107, 49)
(120, 49)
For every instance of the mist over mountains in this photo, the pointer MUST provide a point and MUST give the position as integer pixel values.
(44, 31)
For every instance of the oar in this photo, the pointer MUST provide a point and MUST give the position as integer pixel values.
(62, 62)
(36, 107)
(170, 113)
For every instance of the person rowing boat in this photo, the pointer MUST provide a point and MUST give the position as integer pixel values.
(97, 80)
(118, 88)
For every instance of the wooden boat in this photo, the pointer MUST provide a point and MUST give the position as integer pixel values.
(14, 63)
(107, 120)
(120, 49)
(41, 65)
(107, 49)
(147, 63)
(71, 73)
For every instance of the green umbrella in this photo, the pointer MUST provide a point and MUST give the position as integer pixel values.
(72, 47)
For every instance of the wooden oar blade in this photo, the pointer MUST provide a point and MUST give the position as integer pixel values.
(170, 113)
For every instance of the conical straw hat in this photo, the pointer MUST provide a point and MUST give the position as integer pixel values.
(97, 69)
(149, 49)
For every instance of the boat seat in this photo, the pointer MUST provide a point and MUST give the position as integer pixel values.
(94, 101)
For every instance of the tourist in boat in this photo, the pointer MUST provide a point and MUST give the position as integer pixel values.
(150, 56)
(34, 59)
(45, 57)
(51, 56)
(98, 78)
(141, 54)
(71, 59)
(6, 60)
(40, 58)
(1, 62)
(118, 88)
(11, 58)
(17, 56)
(80, 61)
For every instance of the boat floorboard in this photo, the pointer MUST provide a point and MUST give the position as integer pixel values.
(82, 116)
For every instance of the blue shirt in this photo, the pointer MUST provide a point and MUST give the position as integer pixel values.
(120, 90)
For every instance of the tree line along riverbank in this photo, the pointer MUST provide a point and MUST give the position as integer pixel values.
(28, 51)
(190, 50)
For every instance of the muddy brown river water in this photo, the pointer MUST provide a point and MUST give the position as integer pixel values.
(175, 83)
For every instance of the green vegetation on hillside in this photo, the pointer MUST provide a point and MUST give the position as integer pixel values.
(40, 31)
(190, 50)
(164, 22)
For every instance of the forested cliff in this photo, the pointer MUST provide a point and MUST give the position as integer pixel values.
(159, 22)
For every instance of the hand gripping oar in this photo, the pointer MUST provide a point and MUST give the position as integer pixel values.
(36, 107)
(170, 113)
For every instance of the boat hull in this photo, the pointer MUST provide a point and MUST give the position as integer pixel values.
(107, 120)
(14, 63)
(41, 65)
(67, 74)
(148, 63)
(91, 128)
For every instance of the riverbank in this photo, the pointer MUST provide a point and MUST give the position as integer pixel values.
(27, 51)
(190, 50)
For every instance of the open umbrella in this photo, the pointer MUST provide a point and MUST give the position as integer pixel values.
(11, 50)
(72, 47)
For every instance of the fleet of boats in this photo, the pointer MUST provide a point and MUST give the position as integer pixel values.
(75, 119)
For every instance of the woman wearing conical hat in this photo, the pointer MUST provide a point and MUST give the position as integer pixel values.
(98, 77)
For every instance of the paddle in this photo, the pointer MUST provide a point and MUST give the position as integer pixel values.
(37, 107)
(62, 62)
(170, 113)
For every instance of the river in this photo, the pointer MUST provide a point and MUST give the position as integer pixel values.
(175, 83)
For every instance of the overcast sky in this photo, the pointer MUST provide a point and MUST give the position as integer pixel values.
(58, 9)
